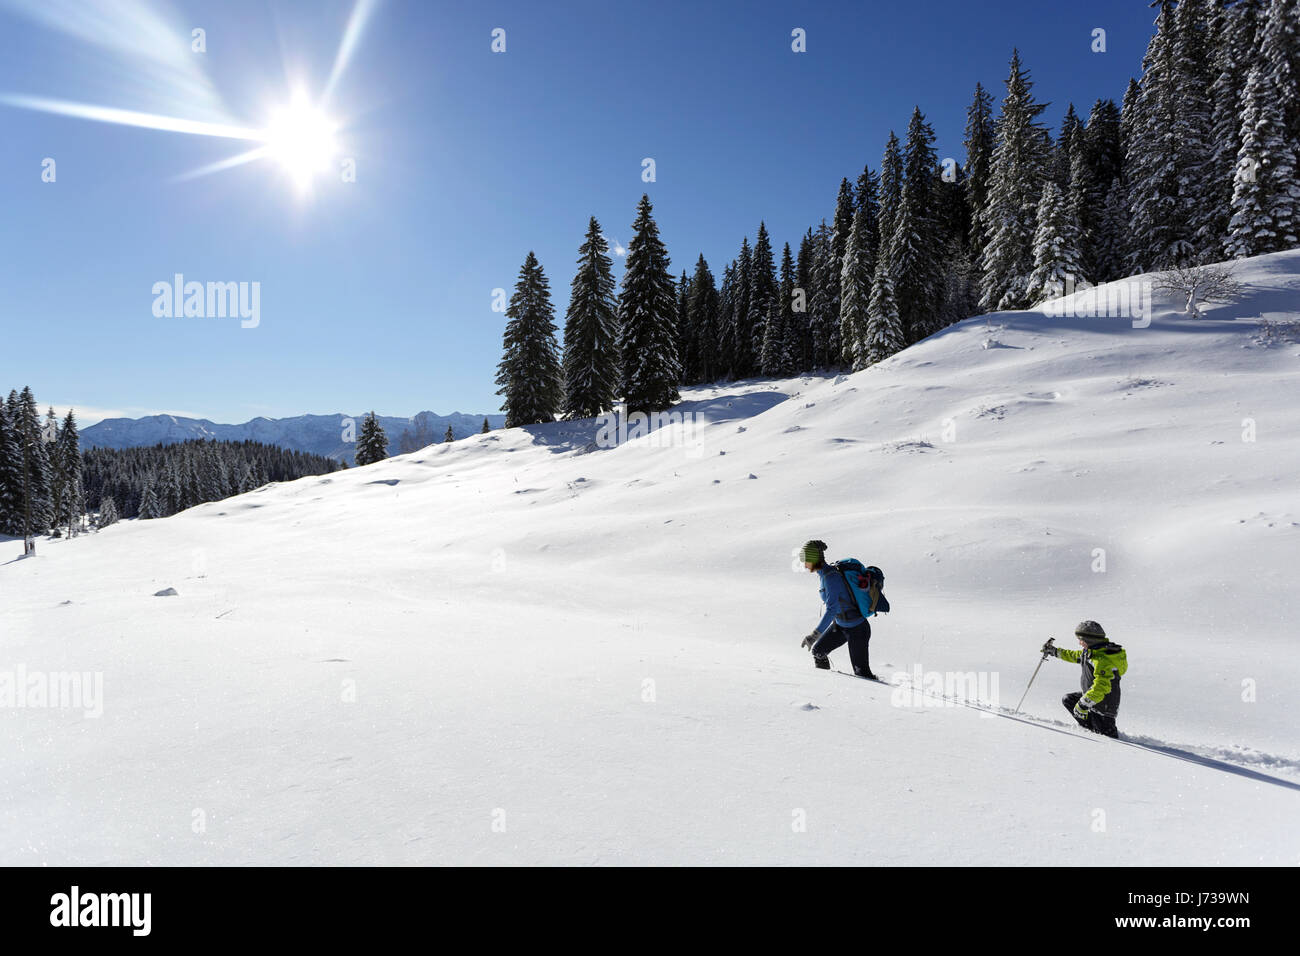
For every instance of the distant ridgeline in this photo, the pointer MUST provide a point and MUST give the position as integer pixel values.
(161, 480)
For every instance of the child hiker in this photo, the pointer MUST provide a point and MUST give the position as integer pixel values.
(1104, 663)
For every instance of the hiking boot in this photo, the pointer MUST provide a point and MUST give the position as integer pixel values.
(821, 662)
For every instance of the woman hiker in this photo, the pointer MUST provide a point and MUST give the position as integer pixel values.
(843, 621)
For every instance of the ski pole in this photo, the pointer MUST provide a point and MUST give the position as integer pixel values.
(1031, 679)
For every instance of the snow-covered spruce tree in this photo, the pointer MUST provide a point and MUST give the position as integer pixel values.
(1056, 256)
(791, 343)
(743, 359)
(866, 205)
(486, 427)
(702, 308)
(53, 452)
(530, 377)
(682, 323)
(725, 362)
(1193, 20)
(1016, 178)
(1102, 229)
(35, 472)
(884, 334)
(448, 437)
(647, 309)
(11, 479)
(70, 473)
(762, 286)
(801, 326)
(855, 293)
(372, 446)
(821, 307)
(979, 157)
(839, 240)
(1266, 196)
(149, 502)
(107, 513)
(773, 339)
(591, 366)
(1168, 150)
(1232, 35)
(1279, 45)
(1083, 206)
(1071, 128)
(915, 248)
(891, 187)
(1109, 257)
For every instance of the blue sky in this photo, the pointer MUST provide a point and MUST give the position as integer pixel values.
(377, 293)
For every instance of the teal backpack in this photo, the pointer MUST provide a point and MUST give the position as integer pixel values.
(866, 583)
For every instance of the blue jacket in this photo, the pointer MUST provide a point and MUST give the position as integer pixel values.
(841, 606)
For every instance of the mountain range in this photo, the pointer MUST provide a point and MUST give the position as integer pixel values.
(328, 435)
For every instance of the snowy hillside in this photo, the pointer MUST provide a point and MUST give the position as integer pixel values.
(318, 434)
(526, 648)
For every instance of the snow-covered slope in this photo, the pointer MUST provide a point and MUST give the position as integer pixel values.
(318, 434)
(525, 648)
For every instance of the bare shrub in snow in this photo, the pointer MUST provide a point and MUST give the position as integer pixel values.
(1207, 283)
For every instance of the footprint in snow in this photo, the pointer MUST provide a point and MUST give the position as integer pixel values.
(809, 707)
(166, 592)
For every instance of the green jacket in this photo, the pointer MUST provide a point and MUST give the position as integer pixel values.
(1102, 668)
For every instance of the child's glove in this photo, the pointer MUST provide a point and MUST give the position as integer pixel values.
(810, 640)
(1049, 649)
(1082, 710)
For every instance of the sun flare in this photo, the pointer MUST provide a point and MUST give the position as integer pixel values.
(301, 138)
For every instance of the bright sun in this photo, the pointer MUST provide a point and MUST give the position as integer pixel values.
(301, 138)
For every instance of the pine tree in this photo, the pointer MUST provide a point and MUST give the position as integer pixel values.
(979, 158)
(1279, 45)
(1168, 152)
(37, 508)
(107, 513)
(915, 247)
(855, 292)
(1016, 178)
(685, 332)
(740, 339)
(801, 327)
(591, 364)
(1071, 129)
(149, 502)
(762, 286)
(372, 446)
(702, 308)
(70, 476)
(647, 308)
(11, 479)
(1266, 196)
(1056, 257)
(486, 427)
(448, 437)
(821, 306)
(891, 187)
(726, 361)
(1234, 31)
(884, 335)
(791, 341)
(1102, 230)
(839, 240)
(1109, 258)
(773, 339)
(530, 376)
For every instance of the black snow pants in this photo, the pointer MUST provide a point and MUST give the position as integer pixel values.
(1098, 723)
(857, 637)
